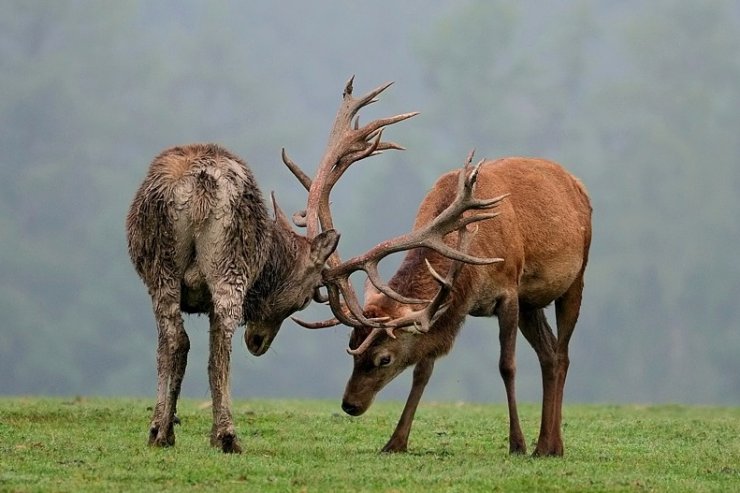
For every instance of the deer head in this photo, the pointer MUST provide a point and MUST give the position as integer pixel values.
(378, 357)
(296, 263)
(288, 281)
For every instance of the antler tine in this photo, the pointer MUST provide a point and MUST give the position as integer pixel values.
(296, 170)
(365, 100)
(346, 161)
(332, 322)
(367, 342)
(436, 275)
(318, 296)
(357, 318)
(469, 159)
(299, 217)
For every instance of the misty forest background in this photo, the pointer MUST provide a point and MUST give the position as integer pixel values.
(639, 99)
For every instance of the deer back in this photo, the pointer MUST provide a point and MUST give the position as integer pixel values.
(542, 232)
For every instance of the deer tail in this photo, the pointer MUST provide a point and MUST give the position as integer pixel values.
(204, 197)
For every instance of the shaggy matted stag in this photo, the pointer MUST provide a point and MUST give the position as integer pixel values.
(542, 233)
(201, 239)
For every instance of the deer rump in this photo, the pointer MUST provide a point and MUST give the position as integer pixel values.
(199, 207)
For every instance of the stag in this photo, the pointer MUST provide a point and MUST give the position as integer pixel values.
(201, 239)
(542, 234)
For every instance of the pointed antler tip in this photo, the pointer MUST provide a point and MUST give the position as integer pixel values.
(348, 87)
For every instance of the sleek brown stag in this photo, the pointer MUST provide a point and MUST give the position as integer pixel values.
(542, 234)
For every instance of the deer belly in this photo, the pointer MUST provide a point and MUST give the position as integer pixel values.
(485, 308)
(541, 286)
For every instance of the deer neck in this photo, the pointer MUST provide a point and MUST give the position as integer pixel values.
(414, 280)
(281, 255)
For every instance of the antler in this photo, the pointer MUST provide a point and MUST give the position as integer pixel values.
(430, 236)
(422, 320)
(348, 143)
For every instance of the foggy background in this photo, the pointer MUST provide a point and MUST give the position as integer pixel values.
(638, 99)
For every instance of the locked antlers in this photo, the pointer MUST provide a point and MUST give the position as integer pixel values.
(349, 143)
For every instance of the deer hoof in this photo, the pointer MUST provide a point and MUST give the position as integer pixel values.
(394, 448)
(230, 445)
(548, 453)
(517, 446)
(157, 439)
(517, 450)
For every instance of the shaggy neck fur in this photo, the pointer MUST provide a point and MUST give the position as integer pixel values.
(276, 272)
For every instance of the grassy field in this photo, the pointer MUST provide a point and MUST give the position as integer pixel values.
(90, 444)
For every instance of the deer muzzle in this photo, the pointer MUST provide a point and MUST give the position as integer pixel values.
(352, 409)
(259, 337)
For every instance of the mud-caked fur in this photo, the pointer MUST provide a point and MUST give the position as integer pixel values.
(202, 240)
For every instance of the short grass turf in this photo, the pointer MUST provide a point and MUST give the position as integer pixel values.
(99, 444)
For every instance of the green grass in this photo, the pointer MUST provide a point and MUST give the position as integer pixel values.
(100, 445)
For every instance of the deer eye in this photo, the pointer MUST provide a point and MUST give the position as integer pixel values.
(385, 360)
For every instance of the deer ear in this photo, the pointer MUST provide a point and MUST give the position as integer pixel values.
(280, 217)
(324, 245)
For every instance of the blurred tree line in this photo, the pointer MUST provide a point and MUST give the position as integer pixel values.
(638, 99)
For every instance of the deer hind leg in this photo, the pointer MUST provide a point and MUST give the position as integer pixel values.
(172, 349)
(227, 282)
(400, 438)
(507, 312)
(226, 315)
(536, 330)
(567, 308)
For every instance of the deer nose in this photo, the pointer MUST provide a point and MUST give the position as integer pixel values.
(351, 409)
(257, 341)
(256, 344)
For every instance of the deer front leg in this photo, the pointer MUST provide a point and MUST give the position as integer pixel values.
(400, 438)
(508, 315)
(219, 362)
